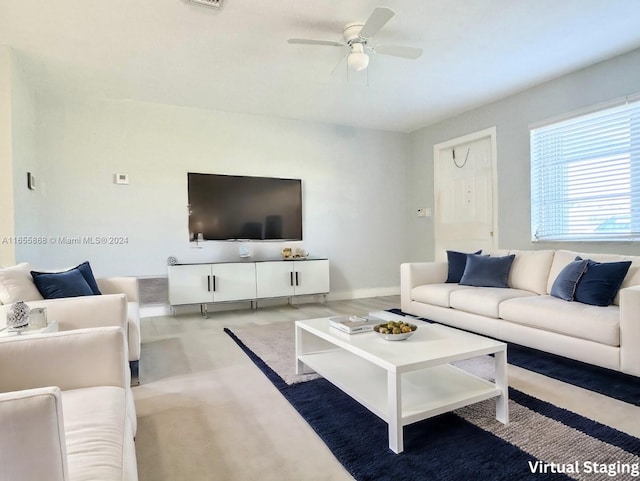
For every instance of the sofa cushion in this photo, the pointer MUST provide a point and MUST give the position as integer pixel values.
(486, 271)
(564, 287)
(95, 424)
(456, 262)
(87, 273)
(484, 301)
(16, 284)
(600, 283)
(574, 319)
(56, 285)
(564, 257)
(436, 294)
(530, 270)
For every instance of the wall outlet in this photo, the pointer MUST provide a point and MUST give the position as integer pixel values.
(424, 212)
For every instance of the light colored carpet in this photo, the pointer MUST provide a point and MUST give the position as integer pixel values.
(543, 437)
(207, 413)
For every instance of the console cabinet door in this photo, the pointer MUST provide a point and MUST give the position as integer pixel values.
(234, 282)
(190, 284)
(274, 279)
(311, 277)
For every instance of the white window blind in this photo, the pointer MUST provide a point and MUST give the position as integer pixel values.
(585, 177)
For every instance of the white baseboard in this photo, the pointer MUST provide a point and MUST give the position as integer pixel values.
(153, 310)
(364, 293)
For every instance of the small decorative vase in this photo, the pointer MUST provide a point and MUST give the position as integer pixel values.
(18, 316)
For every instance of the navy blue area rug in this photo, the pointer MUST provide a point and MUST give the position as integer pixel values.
(542, 441)
(617, 385)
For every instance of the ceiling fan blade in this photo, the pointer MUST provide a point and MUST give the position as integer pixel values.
(398, 51)
(378, 18)
(308, 41)
(340, 62)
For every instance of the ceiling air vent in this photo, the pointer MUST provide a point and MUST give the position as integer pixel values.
(208, 3)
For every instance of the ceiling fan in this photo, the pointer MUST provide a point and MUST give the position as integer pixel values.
(357, 37)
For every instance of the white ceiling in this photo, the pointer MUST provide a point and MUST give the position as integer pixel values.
(237, 59)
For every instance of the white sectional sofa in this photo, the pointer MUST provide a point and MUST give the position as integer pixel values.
(66, 407)
(119, 299)
(525, 313)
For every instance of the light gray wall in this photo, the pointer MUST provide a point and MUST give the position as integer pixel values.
(361, 187)
(512, 116)
(7, 231)
(353, 186)
(24, 160)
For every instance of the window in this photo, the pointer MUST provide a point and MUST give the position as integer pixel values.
(585, 177)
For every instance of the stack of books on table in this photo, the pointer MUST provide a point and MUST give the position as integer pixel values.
(354, 324)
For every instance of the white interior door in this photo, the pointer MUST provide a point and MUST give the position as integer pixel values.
(465, 194)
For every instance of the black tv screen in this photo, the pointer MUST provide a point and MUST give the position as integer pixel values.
(232, 207)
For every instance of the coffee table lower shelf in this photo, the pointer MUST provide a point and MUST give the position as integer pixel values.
(420, 394)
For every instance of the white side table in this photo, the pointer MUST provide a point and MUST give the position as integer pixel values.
(52, 326)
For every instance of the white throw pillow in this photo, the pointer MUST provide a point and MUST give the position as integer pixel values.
(16, 284)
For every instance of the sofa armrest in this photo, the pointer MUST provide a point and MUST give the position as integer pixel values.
(417, 274)
(32, 439)
(69, 359)
(86, 311)
(630, 330)
(120, 285)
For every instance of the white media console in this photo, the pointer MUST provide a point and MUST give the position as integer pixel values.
(246, 280)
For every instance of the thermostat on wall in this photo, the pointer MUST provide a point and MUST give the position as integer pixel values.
(121, 178)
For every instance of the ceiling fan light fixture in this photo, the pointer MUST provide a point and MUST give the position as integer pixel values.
(357, 60)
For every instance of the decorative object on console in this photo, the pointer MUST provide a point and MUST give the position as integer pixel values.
(286, 252)
(172, 261)
(18, 316)
(244, 251)
(299, 253)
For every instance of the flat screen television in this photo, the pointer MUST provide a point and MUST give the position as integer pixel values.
(235, 207)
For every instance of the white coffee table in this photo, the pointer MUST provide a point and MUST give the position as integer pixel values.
(403, 382)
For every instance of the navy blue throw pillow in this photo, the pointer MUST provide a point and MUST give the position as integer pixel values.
(54, 285)
(487, 271)
(87, 273)
(457, 262)
(601, 282)
(564, 287)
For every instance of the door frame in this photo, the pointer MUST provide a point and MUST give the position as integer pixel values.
(448, 144)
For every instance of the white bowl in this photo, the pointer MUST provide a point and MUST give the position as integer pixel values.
(396, 337)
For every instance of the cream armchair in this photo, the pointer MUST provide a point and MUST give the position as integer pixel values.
(66, 407)
(120, 301)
